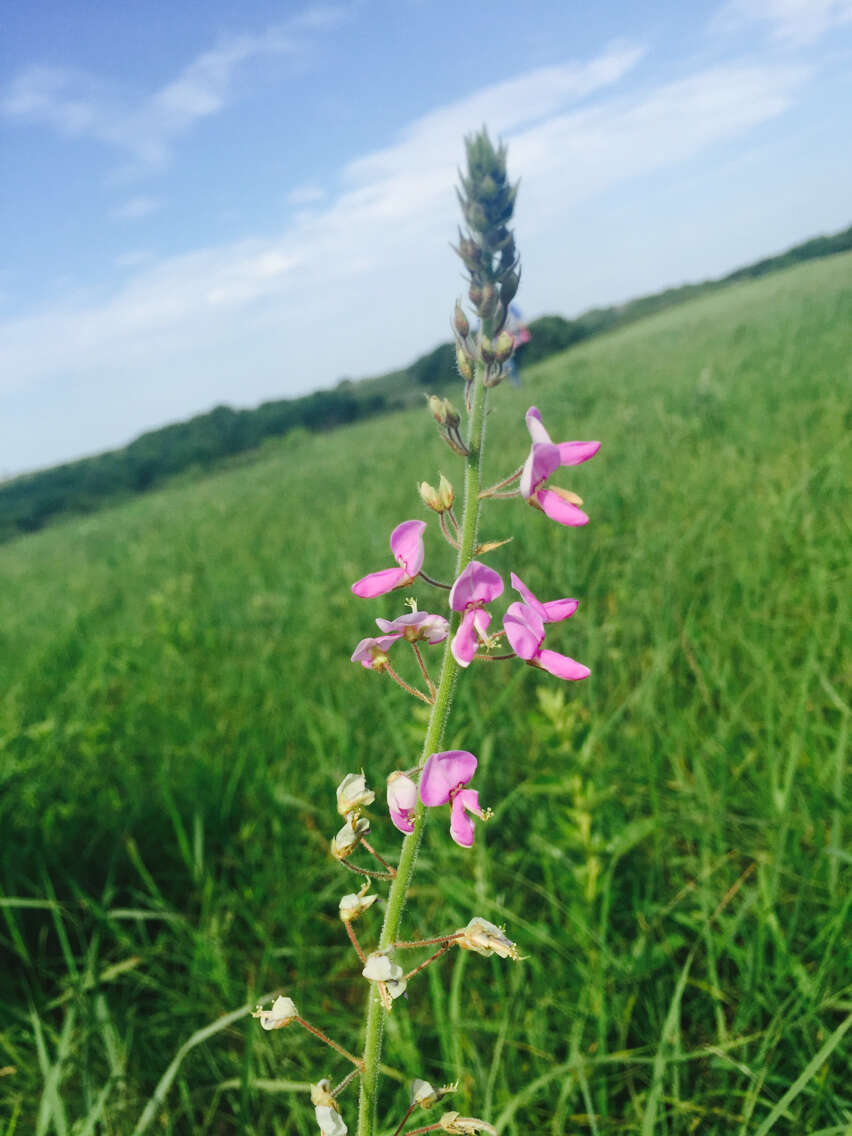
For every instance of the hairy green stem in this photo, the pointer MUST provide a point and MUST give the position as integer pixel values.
(431, 744)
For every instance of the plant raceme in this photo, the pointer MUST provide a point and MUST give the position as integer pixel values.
(460, 635)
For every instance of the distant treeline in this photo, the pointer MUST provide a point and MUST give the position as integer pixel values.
(29, 502)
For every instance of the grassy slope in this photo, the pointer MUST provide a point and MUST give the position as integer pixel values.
(179, 705)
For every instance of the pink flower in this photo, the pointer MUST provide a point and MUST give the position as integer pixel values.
(402, 801)
(545, 457)
(372, 653)
(406, 542)
(552, 612)
(417, 625)
(525, 631)
(477, 585)
(443, 782)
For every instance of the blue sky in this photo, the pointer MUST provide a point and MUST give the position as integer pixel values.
(234, 202)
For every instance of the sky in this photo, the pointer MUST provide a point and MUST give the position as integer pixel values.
(234, 202)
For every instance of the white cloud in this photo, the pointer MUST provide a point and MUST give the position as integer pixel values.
(251, 319)
(798, 22)
(146, 127)
(135, 208)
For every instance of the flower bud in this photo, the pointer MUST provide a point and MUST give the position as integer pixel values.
(464, 365)
(349, 837)
(446, 496)
(353, 794)
(504, 346)
(282, 1013)
(486, 350)
(460, 321)
(509, 287)
(352, 905)
(483, 938)
(475, 294)
(488, 303)
(429, 496)
(438, 409)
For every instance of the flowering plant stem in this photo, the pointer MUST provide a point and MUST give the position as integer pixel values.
(431, 743)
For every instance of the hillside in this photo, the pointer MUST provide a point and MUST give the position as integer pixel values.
(178, 704)
(224, 434)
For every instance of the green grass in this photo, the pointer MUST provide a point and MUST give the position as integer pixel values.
(668, 846)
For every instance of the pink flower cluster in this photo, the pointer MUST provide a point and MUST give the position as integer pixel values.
(523, 623)
(443, 781)
(446, 775)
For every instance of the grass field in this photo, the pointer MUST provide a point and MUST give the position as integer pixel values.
(668, 846)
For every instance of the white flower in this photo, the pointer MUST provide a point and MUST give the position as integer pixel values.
(330, 1121)
(422, 1093)
(485, 939)
(463, 1125)
(349, 837)
(379, 968)
(353, 794)
(351, 906)
(282, 1013)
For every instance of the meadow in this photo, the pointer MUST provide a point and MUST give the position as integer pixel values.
(668, 846)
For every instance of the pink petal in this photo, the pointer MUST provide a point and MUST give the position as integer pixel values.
(561, 665)
(461, 825)
(543, 460)
(477, 584)
(524, 630)
(558, 509)
(527, 596)
(406, 543)
(573, 453)
(536, 426)
(377, 583)
(432, 628)
(443, 772)
(465, 642)
(401, 820)
(557, 610)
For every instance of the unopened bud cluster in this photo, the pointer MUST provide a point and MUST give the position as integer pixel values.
(449, 421)
(438, 500)
(488, 253)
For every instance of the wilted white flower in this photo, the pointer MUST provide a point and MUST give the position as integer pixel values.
(462, 1125)
(321, 1093)
(379, 968)
(351, 906)
(282, 1013)
(353, 794)
(423, 1094)
(486, 939)
(349, 837)
(330, 1121)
